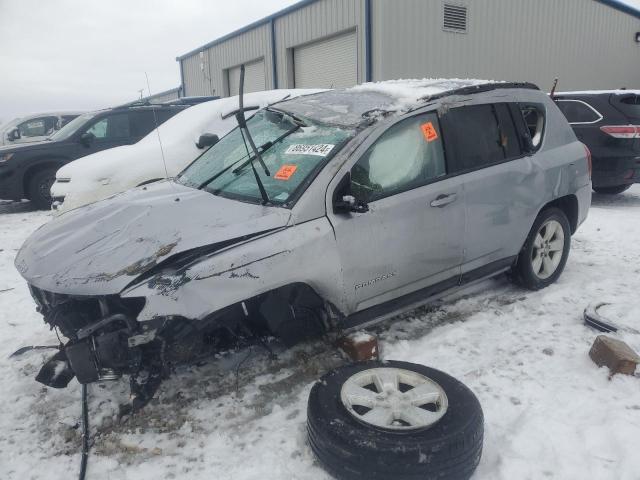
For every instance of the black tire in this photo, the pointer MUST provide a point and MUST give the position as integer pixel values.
(350, 449)
(39, 186)
(523, 272)
(611, 190)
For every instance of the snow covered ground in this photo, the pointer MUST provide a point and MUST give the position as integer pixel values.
(550, 413)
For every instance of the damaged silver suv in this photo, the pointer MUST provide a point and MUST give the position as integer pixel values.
(322, 212)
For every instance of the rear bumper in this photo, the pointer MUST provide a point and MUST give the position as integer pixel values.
(615, 171)
(584, 203)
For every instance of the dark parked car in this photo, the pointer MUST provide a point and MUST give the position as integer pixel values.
(28, 171)
(608, 122)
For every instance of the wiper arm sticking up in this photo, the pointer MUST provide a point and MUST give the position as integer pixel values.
(242, 122)
(244, 130)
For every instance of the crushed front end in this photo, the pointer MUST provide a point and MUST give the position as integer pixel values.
(103, 341)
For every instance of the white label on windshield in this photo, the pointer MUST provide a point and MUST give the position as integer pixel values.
(321, 150)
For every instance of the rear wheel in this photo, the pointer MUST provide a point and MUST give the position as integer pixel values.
(39, 188)
(544, 255)
(612, 190)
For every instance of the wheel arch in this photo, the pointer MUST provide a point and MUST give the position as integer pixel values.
(38, 167)
(568, 204)
(293, 312)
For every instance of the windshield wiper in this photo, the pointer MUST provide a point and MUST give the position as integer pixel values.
(244, 131)
(266, 146)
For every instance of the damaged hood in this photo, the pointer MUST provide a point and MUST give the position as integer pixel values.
(101, 248)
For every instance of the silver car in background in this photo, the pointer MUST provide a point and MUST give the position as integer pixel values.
(362, 205)
(34, 128)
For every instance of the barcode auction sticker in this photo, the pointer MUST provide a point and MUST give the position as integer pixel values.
(321, 150)
(285, 172)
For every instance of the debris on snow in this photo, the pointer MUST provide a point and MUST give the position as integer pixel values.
(359, 346)
(614, 354)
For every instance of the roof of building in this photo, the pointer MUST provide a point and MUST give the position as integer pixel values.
(617, 4)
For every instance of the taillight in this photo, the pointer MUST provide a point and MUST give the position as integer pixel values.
(622, 131)
(589, 162)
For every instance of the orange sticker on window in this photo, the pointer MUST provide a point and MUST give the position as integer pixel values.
(429, 131)
(285, 172)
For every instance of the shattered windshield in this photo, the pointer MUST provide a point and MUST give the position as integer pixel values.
(292, 152)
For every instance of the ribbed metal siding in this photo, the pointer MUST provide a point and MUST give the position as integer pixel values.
(172, 94)
(245, 48)
(254, 78)
(331, 63)
(316, 21)
(586, 44)
(196, 80)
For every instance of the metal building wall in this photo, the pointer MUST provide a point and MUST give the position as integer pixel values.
(244, 48)
(160, 97)
(586, 44)
(196, 81)
(313, 22)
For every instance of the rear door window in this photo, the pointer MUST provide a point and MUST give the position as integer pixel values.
(408, 155)
(143, 122)
(479, 136)
(510, 140)
(111, 127)
(578, 112)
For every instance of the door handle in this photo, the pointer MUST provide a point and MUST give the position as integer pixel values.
(443, 200)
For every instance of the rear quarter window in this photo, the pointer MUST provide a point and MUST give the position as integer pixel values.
(629, 105)
(578, 111)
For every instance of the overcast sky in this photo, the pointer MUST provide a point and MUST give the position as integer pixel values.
(88, 54)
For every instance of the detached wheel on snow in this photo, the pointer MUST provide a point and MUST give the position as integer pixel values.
(394, 420)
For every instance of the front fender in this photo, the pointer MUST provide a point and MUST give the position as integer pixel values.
(303, 253)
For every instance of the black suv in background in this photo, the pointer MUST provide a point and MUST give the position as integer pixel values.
(28, 171)
(608, 122)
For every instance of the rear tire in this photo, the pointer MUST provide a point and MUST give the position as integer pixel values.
(544, 255)
(611, 190)
(39, 188)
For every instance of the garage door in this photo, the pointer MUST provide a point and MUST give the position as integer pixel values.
(327, 63)
(253, 78)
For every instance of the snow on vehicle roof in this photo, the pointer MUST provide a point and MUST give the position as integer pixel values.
(619, 91)
(346, 107)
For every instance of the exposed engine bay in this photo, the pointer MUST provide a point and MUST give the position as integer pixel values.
(105, 341)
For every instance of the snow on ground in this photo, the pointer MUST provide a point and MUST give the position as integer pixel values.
(550, 413)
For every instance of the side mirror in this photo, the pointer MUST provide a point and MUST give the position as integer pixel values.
(207, 140)
(349, 204)
(13, 135)
(87, 139)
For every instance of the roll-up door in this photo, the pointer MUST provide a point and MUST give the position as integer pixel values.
(254, 79)
(327, 63)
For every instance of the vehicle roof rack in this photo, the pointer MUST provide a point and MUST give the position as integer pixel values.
(485, 87)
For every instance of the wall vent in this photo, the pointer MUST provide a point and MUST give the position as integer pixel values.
(455, 18)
